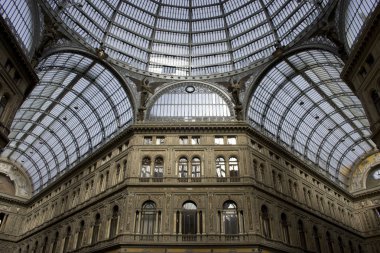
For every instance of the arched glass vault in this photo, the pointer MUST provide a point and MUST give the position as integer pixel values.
(188, 37)
(302, 103)
(356, 15)
(22, 18)
(190, 101)
(77, 105)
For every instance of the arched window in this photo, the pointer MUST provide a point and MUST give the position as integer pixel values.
(233, 166)
(158, 167)
(3, 104)
(114, 221)
(329, 242)
(182, 167)
(316, 240)
(360, 248)
(265, 221)
(341, 246)
(196, 167)
(55, 242)
(148, 219)
(189, 221)
(255, 169)
(35, 250)
(2, 219)
(80, 234)
(67, 240)
(230, 220)
(352, 250)
(145, 167)
(95, 231)
(301, 233)
(220, 164)
(285, 228)
(44, 246)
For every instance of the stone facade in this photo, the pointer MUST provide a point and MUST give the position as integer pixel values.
(98, 206)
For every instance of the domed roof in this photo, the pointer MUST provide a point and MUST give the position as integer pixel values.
(187, 37)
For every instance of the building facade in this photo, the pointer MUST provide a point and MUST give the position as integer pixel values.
(107, 154)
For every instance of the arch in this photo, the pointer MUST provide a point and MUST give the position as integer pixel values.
(196, 167)
(114, 222)
(146, 164)
(79, 100)
(80, 234)
(375, 100)
(189, 221)
(158, 171)
(230, 219)
(317, 242)
(265, 221)
(220, 164)
(233, 166)
(148, 219)
(96, 229)
(341, 245)
(183, 167)
(67, 240)
(329, 242)
(3, 103)
(285, 228)
(205, 103)
(7, 186)
(301, 232)
(301, 101)
(45, 245)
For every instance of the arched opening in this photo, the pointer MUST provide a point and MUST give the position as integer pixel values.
(230, 220)
(7, 186)
(265, 222)
(114, 222)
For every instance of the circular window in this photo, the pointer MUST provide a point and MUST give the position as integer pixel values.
(190, 89)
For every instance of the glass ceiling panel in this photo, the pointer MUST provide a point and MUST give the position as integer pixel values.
(241, 32)
(303, 102)
(77, 105)
(17, 14)
(190, 102)
(356, 16)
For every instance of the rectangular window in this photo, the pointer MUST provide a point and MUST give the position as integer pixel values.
(219, 140)
(231, 140)
(183, 140)
(160, 140)
(148, 140)
(195, 140)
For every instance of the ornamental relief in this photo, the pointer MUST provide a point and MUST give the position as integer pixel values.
(18, 177)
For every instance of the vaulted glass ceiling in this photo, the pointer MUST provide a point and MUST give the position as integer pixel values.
(187, 37)
(302, 103)
(76, 107)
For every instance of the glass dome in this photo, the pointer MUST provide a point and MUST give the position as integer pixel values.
(187, 37)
